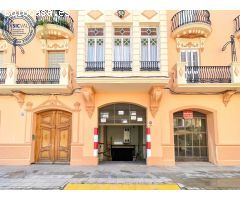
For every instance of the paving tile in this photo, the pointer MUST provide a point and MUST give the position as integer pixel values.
(188, 175)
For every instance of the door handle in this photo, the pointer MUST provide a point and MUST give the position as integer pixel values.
(33, 137)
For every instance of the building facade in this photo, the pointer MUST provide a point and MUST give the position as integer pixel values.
(127, 85)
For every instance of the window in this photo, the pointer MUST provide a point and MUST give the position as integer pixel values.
(55, 57)
(122, 49)
(1, 58)
(149, 48)
(191, 57)
(2, 70)
(95, 47)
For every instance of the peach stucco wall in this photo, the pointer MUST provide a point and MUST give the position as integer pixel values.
(223, 132)
(222, 27)
(34, 56)
(17, 124)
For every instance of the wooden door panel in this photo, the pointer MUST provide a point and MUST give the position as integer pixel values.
(62, 144)
(45, 137)
(63, 136)
(63, 119)
(45, 144)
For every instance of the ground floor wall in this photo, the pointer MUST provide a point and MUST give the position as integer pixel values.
(18, 125)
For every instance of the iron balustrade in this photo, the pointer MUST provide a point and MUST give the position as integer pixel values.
(3, 75)
(61, 19)
(208, 74)
(122, 65)
(95, 66)
(237, 23)
(190, 16)
(2, 18)
(149, 66)
(38, 75)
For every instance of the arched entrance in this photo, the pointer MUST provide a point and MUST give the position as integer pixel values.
(190, 136)
(53, 136)
(122, 132)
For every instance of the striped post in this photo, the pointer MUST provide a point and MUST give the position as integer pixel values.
(148, 142)
(95, 142)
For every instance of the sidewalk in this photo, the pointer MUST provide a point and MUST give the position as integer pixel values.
(196, 175)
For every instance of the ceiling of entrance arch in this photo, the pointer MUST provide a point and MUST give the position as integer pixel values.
(122, 114)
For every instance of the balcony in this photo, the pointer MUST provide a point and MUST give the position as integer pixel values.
(35, 80)
(127, 76)
(206, 78)
(3, 74)
(149, 66)
(237, 26)
(122, 66)
(57, 25)
(191, 24)
(2, 27)
(208, 74)
(95, 66)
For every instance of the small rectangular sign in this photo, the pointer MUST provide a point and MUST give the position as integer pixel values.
(103, 120)
(133, 113)
(133, 118)
(121, 112)
(139, 119)
(124, 121)
(187, 114)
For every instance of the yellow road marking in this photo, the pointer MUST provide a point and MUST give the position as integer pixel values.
(75, 186)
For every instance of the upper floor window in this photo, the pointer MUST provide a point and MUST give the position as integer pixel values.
(122, 49)
(55, 57)
(95, 45)
(95, 49)
(1, 59)
(190, 57)
(149, 49)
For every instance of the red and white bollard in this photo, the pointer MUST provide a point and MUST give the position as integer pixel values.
(148, 142)
(95, 142)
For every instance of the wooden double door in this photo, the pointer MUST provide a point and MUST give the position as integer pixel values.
(53, 137)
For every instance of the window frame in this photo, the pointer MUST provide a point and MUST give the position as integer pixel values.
(1, 56)
(122, 38)
(149, 45)
(190, 50)
(57, 51)
(95, 44)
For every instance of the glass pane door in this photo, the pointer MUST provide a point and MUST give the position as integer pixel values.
(190, 137)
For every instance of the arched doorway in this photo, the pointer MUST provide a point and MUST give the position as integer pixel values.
(53, 136)
(190, 136)
(122, 132)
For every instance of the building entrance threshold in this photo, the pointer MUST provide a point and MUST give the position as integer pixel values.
(137, 162)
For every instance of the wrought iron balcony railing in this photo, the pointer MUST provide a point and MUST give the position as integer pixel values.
(190, 16)
(57, 17)
(208, 74)
(38, 75)
(12, 75)
(122, 65)
(149, 66)
(95, 66)
(2, 17)
(3, 74)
